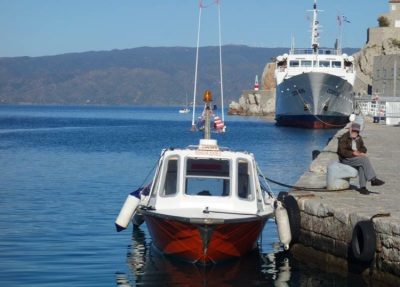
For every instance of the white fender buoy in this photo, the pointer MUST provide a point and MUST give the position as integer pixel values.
(127, 212)
(282, 222)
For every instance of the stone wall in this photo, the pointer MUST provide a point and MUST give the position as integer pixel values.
(377, 35)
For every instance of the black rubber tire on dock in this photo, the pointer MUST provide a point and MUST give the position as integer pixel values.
(293, 211)
(363, 241)
(282, 195)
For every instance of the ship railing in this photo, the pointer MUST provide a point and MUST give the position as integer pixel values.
(385, 110)
(309, 51)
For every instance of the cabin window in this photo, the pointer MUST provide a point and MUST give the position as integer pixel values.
(324, 64)
(294, 63)
(336, 64)
(244, 186)
(207, 177)
(306, 63)
(171, 176)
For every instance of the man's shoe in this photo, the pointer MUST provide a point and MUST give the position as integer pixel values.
(376, 182)
(364, 190)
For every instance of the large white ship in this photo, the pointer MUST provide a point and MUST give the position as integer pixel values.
(314, 86)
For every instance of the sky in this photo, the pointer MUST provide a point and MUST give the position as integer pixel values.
(51, 27)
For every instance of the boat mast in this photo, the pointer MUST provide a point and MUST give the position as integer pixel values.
(220, 59)
(314, 28)
(201, 6)
(195, 72)
(207, 98)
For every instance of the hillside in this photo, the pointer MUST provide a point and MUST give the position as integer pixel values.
(139, 76)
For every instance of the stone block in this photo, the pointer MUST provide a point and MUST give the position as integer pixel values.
(316, 208)
(390, 254)
(390, 242)
(342, 216)
(324, 243)
(306, 221)
(341, 248)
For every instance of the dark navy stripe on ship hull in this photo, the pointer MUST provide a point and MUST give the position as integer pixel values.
(311, 121)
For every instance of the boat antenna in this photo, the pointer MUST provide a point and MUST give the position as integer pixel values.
(314, 28)
(292, 45)
(207, 98)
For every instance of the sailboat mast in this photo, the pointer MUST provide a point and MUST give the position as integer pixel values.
(196, 68)
(220, 59)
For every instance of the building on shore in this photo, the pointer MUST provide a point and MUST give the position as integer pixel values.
(389, 25)
(386, 67)
(386, 76)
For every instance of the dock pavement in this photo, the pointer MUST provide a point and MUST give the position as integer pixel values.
(328, 218)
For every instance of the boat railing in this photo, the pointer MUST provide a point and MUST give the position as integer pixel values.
(309, 51)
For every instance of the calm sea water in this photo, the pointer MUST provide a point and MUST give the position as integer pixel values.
(65, 173)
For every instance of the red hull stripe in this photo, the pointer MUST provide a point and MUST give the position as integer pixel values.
(204, 243)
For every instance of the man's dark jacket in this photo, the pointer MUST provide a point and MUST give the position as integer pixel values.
(344, 146)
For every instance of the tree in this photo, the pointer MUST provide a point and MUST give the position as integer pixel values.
(383, 21)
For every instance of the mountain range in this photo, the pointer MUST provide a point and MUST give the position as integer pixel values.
(137, 76)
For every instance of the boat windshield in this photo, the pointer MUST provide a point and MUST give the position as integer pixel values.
(208, 177)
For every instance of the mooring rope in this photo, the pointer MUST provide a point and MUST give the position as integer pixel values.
(298, 187)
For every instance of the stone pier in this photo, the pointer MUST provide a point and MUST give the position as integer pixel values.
(329, 217)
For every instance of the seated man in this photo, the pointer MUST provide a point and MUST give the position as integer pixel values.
(352, 151)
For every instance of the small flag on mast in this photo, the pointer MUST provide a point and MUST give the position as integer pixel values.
(345, 19)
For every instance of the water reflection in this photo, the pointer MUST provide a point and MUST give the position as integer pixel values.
(137, 252)
(151, 268)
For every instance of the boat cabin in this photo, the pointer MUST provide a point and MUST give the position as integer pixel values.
(206, 176)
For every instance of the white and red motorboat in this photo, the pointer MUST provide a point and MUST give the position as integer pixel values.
(206, 203)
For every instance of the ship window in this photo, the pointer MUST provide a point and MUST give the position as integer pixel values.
(306, 63)
(294, 63)
(324, 64)
(207, 177)
(244, 187)
(336, 64)
(171, 176)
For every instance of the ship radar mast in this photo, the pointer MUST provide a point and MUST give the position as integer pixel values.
(315, 28)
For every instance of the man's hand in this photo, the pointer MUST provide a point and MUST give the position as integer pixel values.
(358, 153)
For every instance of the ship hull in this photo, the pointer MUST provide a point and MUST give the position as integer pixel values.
(311, 122)
(204, 243)
(314, 100)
